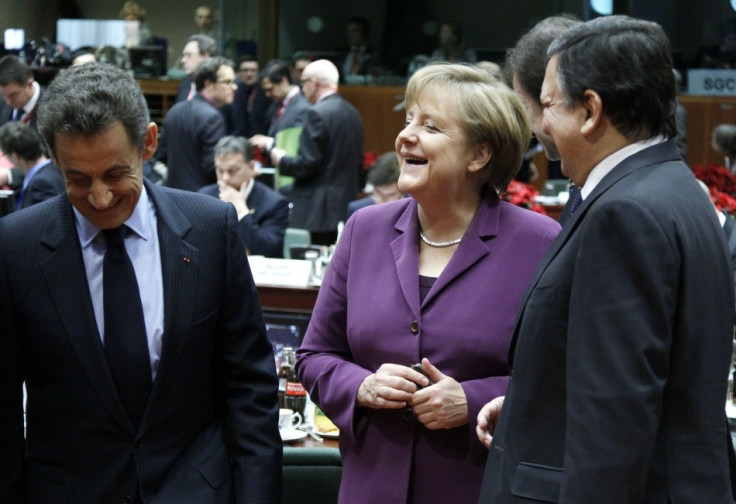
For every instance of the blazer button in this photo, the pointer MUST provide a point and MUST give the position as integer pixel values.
(414, 327)
(407, 414)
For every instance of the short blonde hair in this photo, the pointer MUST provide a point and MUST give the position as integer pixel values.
(487, 110)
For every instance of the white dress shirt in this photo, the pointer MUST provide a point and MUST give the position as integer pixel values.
(143, 248)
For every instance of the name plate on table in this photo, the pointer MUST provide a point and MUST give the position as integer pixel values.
(281, 272)
(707, 81)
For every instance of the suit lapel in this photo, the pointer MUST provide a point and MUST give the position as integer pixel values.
(472, 248)
(405, 249)
(67, 282)
(180, 271)
(255, 200)
(406, 256)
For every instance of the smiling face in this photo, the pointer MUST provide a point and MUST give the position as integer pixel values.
(103, 172)
(435, 156)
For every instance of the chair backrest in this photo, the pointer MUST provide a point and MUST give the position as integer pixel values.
(295, 237)
(311, 475)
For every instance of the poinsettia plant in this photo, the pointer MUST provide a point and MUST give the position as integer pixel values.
(523, 195)
(722, 185)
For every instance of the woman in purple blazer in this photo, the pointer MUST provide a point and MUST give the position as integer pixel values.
(432, 279)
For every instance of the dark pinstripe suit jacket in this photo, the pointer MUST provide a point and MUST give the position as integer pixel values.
(209, 433)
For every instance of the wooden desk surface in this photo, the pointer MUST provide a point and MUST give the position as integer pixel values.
(311, 443)
(287, 299)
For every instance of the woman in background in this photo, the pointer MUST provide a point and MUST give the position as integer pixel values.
(452, 46)
(434, 279)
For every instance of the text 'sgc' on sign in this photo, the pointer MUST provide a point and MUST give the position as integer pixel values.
(711, 82)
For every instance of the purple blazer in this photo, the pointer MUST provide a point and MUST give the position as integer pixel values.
(368, 313)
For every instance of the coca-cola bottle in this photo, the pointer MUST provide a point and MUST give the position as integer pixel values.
(288, 358)
(295, 397)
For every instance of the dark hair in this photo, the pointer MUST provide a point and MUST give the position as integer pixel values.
(627, 62)
(14, 70)
(207, 45)
(276, 70)
(86, 99)
(385, 170)
(18, 138)
(207, 71)
(527, 60)
(246, 57)
(234, 145)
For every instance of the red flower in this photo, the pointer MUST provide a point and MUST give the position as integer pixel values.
(722, 185)
(523, 195)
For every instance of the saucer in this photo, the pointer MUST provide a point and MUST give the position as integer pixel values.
(289, 435)
(329, 435)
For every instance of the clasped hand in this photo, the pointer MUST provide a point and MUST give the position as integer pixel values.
(442, 405)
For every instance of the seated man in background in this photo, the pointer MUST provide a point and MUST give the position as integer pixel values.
(262, 212)
(384, 180)
(192, 128)
(24, 148)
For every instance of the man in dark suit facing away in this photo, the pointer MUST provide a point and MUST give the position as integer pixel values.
(263, 214)
(130, 314)
(330, 156)
(192, 128)
(621, 349)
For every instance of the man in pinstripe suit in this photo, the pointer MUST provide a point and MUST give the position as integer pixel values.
(206, 430)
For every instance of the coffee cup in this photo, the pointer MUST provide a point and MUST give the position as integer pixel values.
(289, 419)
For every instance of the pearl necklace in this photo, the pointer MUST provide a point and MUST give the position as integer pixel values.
(438, 244)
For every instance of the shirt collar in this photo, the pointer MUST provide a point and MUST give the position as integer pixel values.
(327, 93)
(140, 221)
(34, 99)
(32, 172)
(290, 96)
(249, 189)
(608, 164)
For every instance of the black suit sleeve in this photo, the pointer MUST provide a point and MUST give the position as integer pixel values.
(616, 351)
(11, 398)
(209, 133)
(247, 383)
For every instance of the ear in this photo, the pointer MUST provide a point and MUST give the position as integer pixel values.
(150, 142)
(482, 154)
(593, 106)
